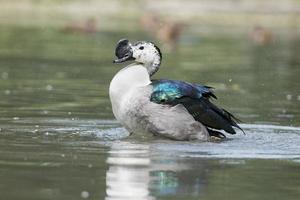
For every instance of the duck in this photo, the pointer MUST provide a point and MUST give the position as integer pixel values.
(88, 26)
(165, 30)
(261, 36)
(170, 109)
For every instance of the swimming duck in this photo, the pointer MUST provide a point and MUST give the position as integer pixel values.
(169, 108)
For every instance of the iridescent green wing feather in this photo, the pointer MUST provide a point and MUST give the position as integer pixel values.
(166, 91)
(195, 98)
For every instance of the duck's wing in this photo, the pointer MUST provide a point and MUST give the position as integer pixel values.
(196, 99)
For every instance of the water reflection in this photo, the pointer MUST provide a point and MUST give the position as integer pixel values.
(185, 170)
(136, 171)
(128, 176)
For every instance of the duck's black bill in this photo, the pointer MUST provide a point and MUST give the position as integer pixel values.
(123, 59)
(123, 51)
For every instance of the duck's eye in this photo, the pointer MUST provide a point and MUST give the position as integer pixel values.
(141, 48)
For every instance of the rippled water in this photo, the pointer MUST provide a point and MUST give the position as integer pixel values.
(71, 158)
(59, 140)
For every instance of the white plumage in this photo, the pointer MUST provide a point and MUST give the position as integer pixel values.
(130, 92)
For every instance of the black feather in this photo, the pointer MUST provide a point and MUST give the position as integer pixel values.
(209, 114)
(196, 99)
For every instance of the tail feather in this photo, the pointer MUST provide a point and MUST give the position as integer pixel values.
(232, 119)
(227, 116)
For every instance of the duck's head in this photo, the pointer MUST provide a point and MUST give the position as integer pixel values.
(142, 52)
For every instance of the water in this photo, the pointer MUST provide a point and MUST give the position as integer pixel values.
(59, 140)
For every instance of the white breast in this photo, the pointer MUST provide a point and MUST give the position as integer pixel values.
(123, 85)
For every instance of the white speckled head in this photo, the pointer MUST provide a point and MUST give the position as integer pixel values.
(143, 52)
(148, 54)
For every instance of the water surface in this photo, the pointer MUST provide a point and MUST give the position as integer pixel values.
(59, 140)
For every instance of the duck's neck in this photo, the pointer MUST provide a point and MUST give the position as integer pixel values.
(153, 67)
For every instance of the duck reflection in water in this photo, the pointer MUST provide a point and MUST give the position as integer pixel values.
(128, 175)
(134, 172)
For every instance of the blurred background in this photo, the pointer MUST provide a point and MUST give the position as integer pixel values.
(55, 114)
(56, 54)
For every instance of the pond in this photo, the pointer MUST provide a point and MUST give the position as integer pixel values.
(59, 139)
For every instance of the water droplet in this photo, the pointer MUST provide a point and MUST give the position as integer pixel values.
(16, 118)
(90, 165)
(7, 92)
(283, 111)
(4, 75)
(298, 97)
(49, 87)
(47, 133)
(45, 112)
(289, 97)
(69, 113)
(36, 126)
(63, 155)
(230, 80)
(85, 194)
(35, 130)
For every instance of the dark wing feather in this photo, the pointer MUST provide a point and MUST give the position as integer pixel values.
(208, 114)
(168, 90)
(195, 98)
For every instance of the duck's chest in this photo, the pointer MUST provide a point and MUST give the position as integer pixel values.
(132, 109)
(129, 90)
